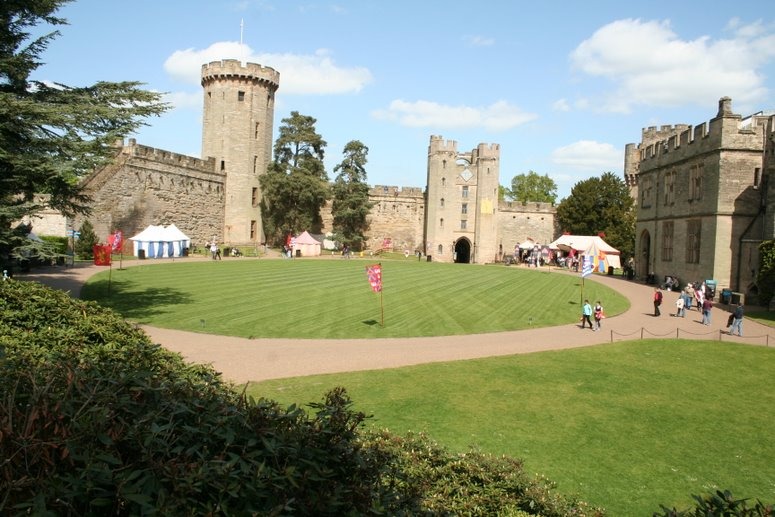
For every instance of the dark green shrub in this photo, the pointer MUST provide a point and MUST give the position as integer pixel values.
(720, 504)
(84, 244)
(95, 419)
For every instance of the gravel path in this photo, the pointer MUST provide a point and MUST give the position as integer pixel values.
(241, 360)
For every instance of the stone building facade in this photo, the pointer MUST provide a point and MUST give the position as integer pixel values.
(218, 196)
(704, 202)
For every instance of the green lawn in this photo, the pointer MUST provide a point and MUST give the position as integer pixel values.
(331, 298)
(627, 426)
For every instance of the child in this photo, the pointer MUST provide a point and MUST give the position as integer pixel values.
(598, 311)
(679, 306)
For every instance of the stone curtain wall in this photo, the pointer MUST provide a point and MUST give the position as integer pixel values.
(150, 186)
(517, 222)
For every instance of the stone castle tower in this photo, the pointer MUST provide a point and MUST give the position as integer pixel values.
(237, 132)
(461, 218)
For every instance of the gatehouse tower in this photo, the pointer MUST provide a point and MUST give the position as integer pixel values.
(237, 127)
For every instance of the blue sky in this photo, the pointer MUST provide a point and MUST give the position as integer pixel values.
(561, 86)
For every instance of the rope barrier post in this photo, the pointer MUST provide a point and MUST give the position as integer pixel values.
(641, 332)
(612, 336)
(676, 332)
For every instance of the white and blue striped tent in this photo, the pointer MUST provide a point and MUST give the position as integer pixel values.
(160, 242)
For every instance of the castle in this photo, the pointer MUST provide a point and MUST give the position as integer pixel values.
(457, 217)
(705, 198)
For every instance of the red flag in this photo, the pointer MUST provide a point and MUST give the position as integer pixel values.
(374, 272)
(116, 240)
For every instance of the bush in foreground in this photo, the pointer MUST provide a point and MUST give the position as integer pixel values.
(96, 419)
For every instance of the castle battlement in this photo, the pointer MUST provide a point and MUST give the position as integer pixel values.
(682, 141)
(393, 191)
(160, 155)
(230, 69)
(438, 144)
(489, 150)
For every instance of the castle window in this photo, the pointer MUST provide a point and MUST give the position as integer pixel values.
(240, 96)
(465, 191)
(255, 164)
(695, 182)
(440, 249)
(443, 164)
(254, 196)
(645, 192)
(223, 165)
(253, 230)
(441, 203)
(693, 235)
(256, 135)
(667, 241)
(669, 188)
(441, 223)
(463, 224)
(443, 182)
(464, 208)
(757, 177)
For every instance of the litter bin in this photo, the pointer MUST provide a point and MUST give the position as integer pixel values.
(610, 271)
(185, 252)
(428, 258)
(726, 296)
(298, 253)
(141, 254)
(735, 298)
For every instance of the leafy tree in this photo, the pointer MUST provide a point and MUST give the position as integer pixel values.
(84, 244)
(601, 205)
(504, 194)
(295, 186)
(51, 135)
(351, 196)
(765, 279)
(533, 187)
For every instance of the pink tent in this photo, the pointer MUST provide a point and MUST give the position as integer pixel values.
(307, 244)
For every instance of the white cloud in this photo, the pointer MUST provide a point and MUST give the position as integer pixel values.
(299, 74)
(479, 41)
(561, 105)
(499, 116)
(589, 155)
(650, 65)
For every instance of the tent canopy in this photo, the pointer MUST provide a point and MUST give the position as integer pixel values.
(529, 244)
(605, 254)
(307, 244)
(160, 241)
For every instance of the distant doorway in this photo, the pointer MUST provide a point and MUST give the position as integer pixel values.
(462, 251)
(642, 265)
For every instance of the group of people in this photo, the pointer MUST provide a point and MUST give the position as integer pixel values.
(702, 298)
(588, 312)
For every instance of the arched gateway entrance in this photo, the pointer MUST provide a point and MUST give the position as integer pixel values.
(462, 251)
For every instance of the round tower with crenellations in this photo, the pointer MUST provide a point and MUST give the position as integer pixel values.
(237, 133)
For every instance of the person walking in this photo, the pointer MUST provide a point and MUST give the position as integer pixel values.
(737, 321)
(598, 312)
(679, 305)
(707, 305)
(657, 301)
(586, 315)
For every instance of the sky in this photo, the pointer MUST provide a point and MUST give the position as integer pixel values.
(561, 86)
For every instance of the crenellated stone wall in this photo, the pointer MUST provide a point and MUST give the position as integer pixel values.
(146, 186)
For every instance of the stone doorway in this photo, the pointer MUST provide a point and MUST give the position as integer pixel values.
(462, 251)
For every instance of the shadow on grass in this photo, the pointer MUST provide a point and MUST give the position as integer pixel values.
(371, 323)
(120, 296)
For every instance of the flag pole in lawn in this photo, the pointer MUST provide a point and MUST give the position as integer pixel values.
(381, 304)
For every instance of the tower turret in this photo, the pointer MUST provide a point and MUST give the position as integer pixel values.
(237, 133)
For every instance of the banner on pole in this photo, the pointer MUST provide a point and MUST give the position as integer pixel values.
(587, 266)
(374, 273)
(116, 240)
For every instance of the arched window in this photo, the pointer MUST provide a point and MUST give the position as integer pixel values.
(441, 203)
(443, 182)
(441, 249)
(441, 223)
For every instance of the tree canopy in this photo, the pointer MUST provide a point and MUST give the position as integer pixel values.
(600, 205)
(52, 135)
(295, 186)
(351, 204)
(533, 187)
